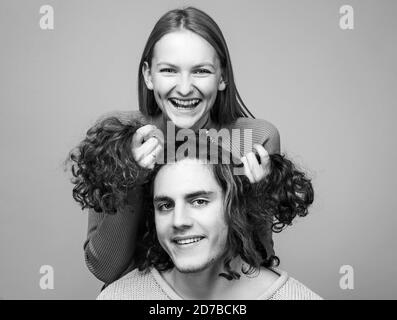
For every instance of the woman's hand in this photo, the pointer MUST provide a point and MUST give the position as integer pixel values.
(254, 170)
(146, 146)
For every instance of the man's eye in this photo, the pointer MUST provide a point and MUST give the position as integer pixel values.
(200, 202)
(164, 207)
(167, 70)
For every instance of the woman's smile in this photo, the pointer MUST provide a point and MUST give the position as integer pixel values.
(185, 105)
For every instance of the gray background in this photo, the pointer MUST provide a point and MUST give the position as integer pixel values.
(330, 92)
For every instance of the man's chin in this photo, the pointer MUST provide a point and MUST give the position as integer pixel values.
(190, 268)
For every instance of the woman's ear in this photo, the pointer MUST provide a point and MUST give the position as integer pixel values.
(147, 76)
(222, 85)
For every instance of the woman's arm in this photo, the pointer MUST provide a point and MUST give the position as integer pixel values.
(111, 239)
(106, 179)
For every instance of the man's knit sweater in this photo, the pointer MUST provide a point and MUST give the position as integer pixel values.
(152, 286)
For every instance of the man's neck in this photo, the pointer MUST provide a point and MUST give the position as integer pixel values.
(206, 284)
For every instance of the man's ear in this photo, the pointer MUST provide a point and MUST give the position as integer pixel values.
(222, 85)
(147, 76)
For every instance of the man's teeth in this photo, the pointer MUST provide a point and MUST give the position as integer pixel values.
(185, 104)
(187, 241)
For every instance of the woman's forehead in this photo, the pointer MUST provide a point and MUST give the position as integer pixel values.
(184, 47)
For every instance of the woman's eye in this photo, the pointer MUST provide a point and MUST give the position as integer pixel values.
(202, 71)
(200, 202)
(167, 70)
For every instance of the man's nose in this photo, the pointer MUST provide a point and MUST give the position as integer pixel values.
(182, 218)
(185, 85)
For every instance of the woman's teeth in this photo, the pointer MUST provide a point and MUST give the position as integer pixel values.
(187, 241)
(185, 104)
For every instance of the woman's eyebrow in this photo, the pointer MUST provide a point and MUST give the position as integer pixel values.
(209, 64)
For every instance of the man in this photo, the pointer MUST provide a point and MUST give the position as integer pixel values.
(203, 230)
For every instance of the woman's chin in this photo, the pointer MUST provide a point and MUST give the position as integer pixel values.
(184, 124)
(185, 121)
(185, 118)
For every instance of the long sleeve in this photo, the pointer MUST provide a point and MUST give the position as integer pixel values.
(263, 132)
(111, 239)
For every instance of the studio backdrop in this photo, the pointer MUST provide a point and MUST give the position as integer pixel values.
(324, 72)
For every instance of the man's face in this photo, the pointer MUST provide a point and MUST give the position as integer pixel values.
(189, 215)
(185, 77)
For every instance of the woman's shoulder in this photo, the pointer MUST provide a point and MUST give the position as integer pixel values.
(257, 125)
(263, 132)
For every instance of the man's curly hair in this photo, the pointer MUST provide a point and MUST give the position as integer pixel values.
(251, 211)
(103, 167)
(104, 170)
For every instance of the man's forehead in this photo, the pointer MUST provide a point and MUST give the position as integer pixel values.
(185, 177)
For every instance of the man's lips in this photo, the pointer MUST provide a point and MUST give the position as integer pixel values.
(185, 240)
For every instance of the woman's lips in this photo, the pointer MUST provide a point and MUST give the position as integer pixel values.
(190, 104)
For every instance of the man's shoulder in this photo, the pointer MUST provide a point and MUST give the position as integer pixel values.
(293, 289)
(135, 285)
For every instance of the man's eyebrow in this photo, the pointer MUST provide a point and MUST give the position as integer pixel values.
(191, 195)
(160, 198)
(201, 193)
(195, 66)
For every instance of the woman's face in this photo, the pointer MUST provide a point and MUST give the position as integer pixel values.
(185, 76)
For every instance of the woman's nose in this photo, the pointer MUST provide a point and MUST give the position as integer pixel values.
(185, 85)
(181, 218)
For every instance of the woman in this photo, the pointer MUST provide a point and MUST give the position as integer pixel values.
(186, 77)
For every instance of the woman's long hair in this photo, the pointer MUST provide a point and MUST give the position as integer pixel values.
(228, 105)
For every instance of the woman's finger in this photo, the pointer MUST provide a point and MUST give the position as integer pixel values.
(150, 159)
(247, 170)
(145, 149)
(254, 166)
(141, 135)
(156, 152)
(263, 155)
